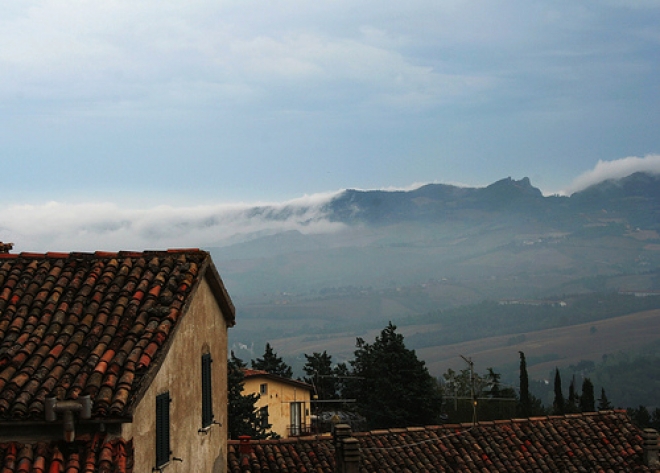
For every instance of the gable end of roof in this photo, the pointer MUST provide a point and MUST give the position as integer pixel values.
(96, 324)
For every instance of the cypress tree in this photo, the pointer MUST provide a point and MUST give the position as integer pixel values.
(587, 399)
(558, 404)
(573, 398)
(525, 404)
(604, 403)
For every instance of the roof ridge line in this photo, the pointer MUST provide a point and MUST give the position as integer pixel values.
(98, 253)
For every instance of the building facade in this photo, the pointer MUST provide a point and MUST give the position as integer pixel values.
(119, 357)
(286, 402)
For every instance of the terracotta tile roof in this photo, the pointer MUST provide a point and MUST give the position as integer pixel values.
(250, 373)
(85, 454)
(593, 442)
(95, 324)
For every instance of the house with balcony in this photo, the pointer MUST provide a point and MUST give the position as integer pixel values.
(285, 403)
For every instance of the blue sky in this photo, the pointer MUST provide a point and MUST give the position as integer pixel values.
(195, 105)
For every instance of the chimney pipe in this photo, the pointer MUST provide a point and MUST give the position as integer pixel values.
(69, 427)
(651, 448)
(341, 434)
(245, 449)
(82, 405)
(351, 450)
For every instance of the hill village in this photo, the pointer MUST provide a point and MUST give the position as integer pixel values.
(118, 362)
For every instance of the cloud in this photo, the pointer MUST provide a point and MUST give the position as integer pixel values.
(57, 226)
(616, 169)
(151, 55)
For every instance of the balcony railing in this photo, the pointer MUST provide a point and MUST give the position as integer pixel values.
(299, 430)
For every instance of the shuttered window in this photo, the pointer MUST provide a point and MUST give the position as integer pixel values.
(162, 429)
(207, 399)
(263, 417)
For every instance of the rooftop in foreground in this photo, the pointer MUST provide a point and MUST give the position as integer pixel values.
(591, 442)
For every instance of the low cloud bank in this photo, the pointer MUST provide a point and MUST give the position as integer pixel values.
(616, 169)
(59, 226)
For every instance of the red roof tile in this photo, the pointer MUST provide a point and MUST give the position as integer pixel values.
(582, 443)
(77, 323)
(86, 453)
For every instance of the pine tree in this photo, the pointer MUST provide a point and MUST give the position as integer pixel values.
(321, 375)
(587, 398)
(493, 379)
(243, 417)
(655, 419)
(604, 403)
(394, 388)
(272, 364)
(558, 404)
(641, 416)
(525, 403)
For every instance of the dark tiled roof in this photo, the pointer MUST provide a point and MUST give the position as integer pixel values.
(593, 442)
(85, 454)
(75, 324)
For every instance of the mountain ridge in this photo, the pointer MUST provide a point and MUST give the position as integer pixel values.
(518, 196)
(634, 199)
(463, 231)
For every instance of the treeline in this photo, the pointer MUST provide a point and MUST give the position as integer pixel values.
(631, 379)
(388, 386)
(644, 418)
(491, 318)
(469, 396)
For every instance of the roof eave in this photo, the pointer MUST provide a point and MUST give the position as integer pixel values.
(219, 290)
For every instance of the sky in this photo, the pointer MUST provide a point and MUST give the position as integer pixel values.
(121, 120)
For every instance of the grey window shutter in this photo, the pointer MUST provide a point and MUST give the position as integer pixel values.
(162, 429)
(207, 389)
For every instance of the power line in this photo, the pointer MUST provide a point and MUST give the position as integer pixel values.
(455, 434)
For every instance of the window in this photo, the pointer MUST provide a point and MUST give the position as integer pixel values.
(296, 410)
(162, 429)
(263, 389)
(263, 417)
(207, 400)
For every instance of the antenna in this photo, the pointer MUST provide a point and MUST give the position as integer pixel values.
(474, 399)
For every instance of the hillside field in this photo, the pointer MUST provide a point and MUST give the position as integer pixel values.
(544, 349)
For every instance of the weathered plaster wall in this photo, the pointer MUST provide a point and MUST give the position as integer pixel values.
(278, 399)
(202, 330)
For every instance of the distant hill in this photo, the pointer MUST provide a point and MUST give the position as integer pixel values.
(399, 237)
(398, 254)
(636, 199)
(434, 202)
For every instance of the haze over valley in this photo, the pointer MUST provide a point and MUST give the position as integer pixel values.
(418, 257)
